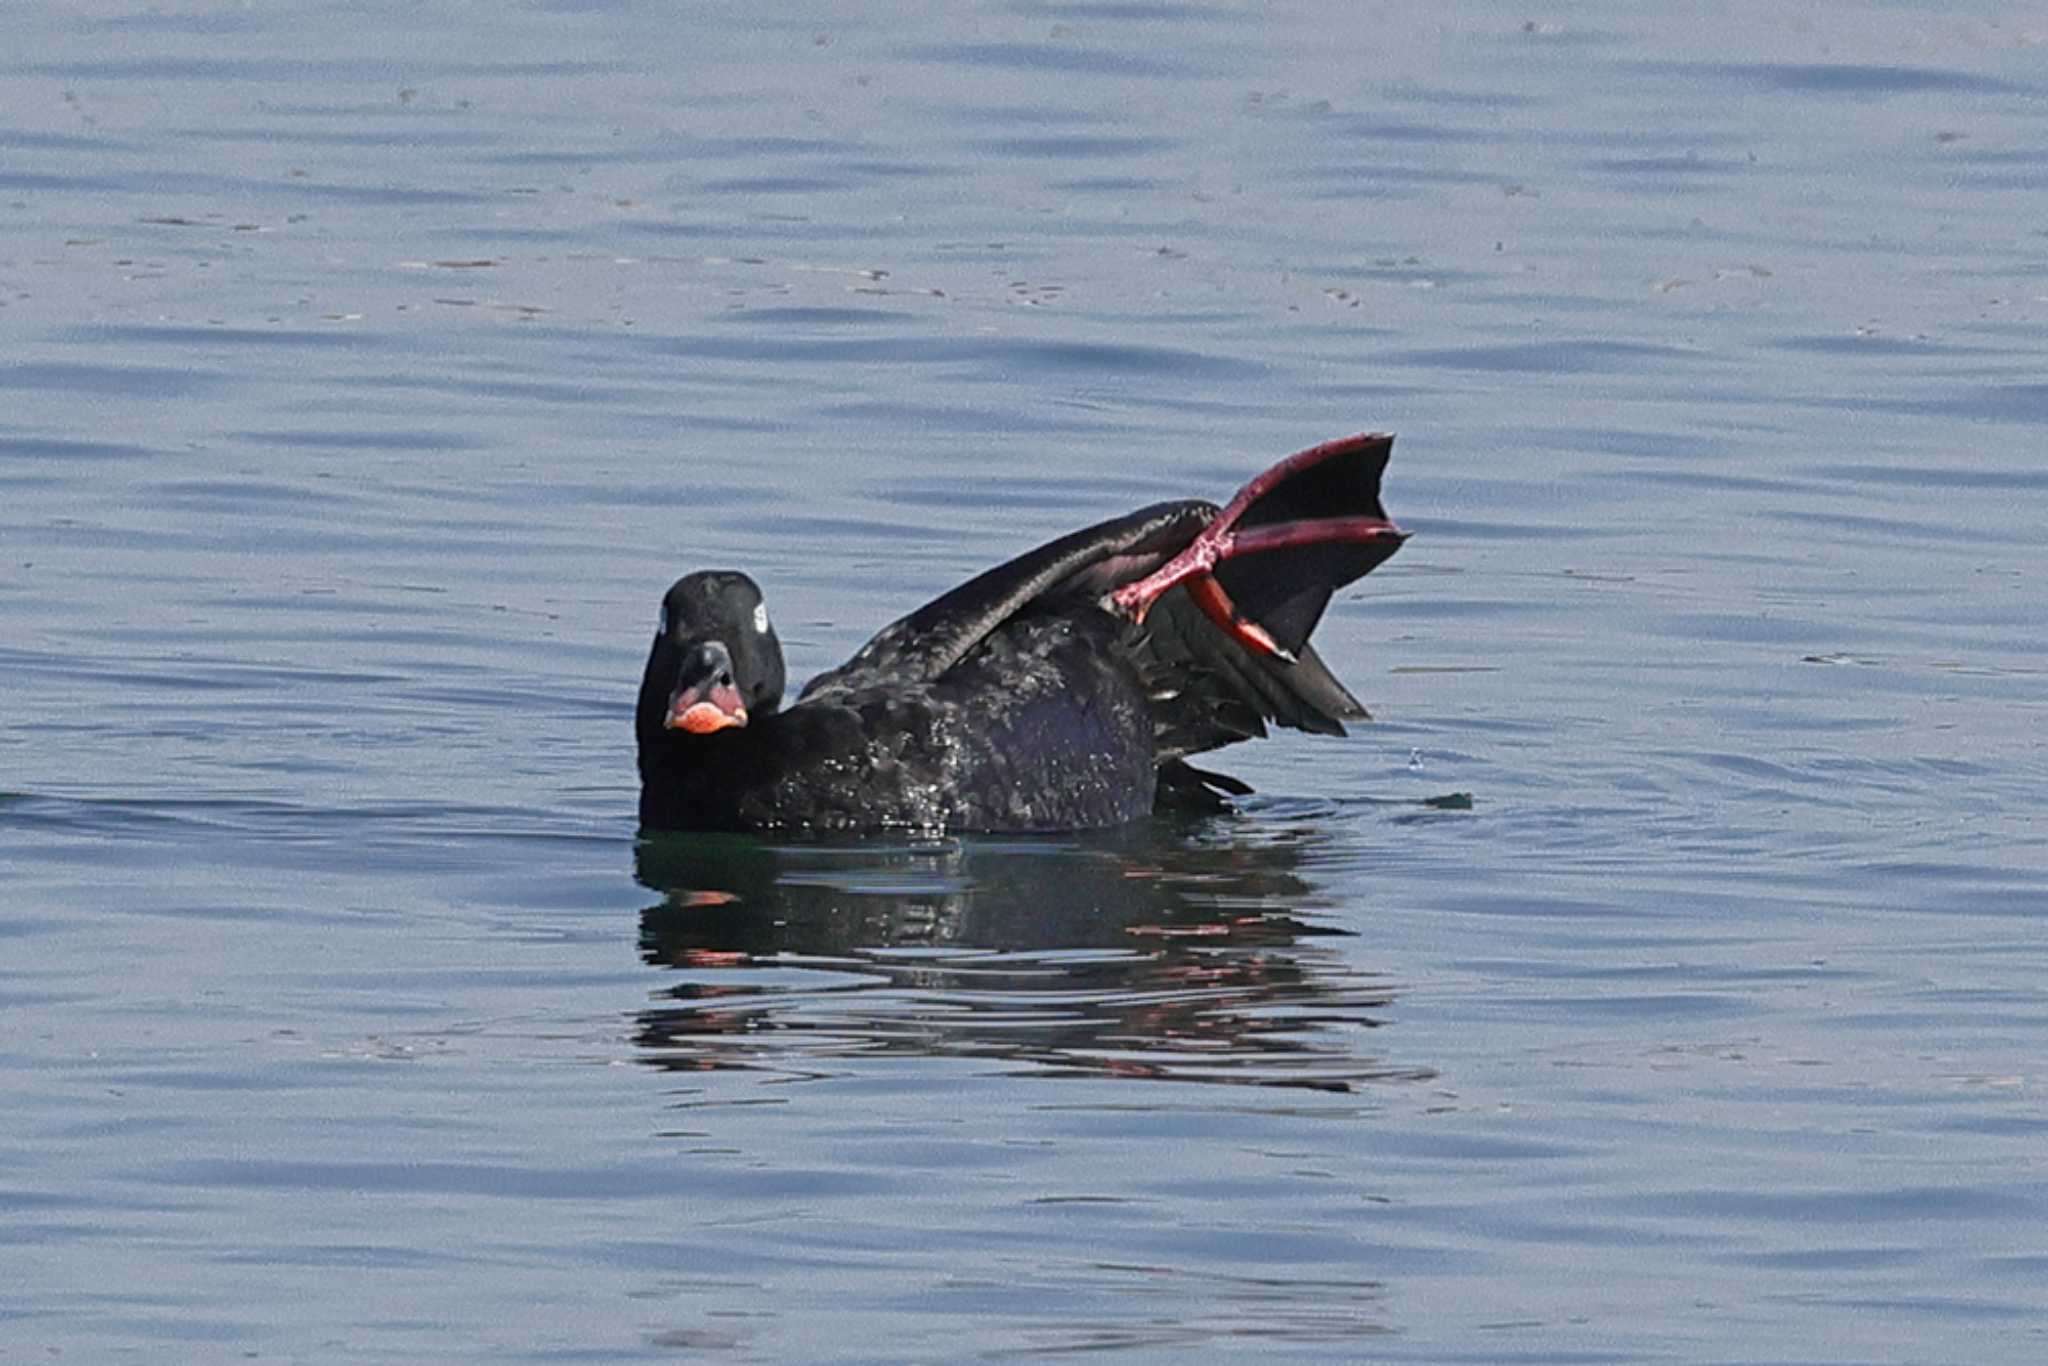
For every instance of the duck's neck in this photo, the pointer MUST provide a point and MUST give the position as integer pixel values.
(680, 782)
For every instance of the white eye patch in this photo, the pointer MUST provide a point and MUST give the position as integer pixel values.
(761, 618)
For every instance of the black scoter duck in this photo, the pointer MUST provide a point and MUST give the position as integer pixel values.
(1063, 690)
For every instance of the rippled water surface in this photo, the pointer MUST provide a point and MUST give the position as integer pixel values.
(370, 372)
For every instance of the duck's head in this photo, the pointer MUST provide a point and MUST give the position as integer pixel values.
(716, 663)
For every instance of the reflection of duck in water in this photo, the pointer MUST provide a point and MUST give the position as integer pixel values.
(1061, 691)
(1125, 954)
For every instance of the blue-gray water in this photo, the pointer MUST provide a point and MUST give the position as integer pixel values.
(368, 373)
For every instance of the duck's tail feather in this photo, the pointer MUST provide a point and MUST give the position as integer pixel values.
(1183, 787)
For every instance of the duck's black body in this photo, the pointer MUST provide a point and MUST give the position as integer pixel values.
(1060, 691)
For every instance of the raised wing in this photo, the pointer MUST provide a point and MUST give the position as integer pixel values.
(1221, 601)
(1082, 565)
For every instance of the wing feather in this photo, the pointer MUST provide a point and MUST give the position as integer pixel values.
(1083, 564)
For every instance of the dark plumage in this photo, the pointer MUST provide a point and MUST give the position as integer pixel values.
(1060, 691)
